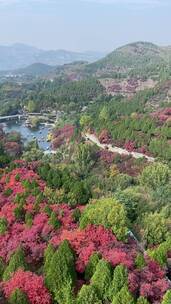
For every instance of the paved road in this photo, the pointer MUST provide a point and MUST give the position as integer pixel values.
(121, 151)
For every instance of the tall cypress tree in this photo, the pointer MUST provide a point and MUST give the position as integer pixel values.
(60, 275)
(120, 279)
(17, 260)
(48, 254)
(123, 297)
(88, 295)
(102, 278)
(91, 266)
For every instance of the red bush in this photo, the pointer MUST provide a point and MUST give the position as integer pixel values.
(31, 284)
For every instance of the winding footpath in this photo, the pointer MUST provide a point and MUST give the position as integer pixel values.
(110, 148)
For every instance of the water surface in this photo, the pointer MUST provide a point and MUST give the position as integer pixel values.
(29, 134)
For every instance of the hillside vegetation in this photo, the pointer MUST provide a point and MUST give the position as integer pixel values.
(88, 224)
(137, 59)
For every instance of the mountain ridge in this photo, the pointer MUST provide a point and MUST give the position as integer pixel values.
(19, 55)
(134, 58)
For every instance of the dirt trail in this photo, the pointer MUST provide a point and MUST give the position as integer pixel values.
(121, 151)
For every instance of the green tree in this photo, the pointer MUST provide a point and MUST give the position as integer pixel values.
(84, 160)
(142, 300)
(123, 297)
(133, 201)
(53, 178)
(88, 295)
(76, 214)
(117, 219)
(91, 266)
(104, 115)
(17, 261)
(53, 221)
(155, 229)
(121, 182)
(32, 155)
(18, 297)
(60, 274)
(167, 298)
(155, 175)
(31, 106)
(120, 279)
(107, 212)
(159, 254)
(79, 193)
(3, 225)
(101, 279)
(2, 268)
(28, 219)
(140, 261)
(48, 255)
(85, 121)
(19, 213)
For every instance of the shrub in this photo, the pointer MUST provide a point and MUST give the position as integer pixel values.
(17, 177)
(142, 300)
(31, 284)
(155, 229)
(155, 175)
(18, 297)
(79, 193)
(17, 260)
(19, 213)
(76, 215)
(167, 298)
(3, 225)
(8, 192)
(28, 219)
(2, 267)
(54, 222)
(107, 212)
(159, 254)
(48, 210)
(140, 261)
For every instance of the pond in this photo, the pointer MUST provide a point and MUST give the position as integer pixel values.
(28, 134)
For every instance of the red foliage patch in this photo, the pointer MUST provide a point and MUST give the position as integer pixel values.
(162, 115)
(149, 282)
(31, 284)
(106, 156)
(60, 136)
(97, 239)
(105, 137)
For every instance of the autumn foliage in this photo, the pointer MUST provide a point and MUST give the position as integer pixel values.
(22, 188)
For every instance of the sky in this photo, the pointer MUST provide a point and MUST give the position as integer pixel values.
(81, 25)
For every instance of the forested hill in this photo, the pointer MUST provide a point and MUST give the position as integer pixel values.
(143, 60)
(139, 58)
(35, 69)
(20, 55)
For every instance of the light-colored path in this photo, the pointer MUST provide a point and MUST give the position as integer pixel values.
(121, 151)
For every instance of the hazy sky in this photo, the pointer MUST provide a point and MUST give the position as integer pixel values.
(84, 24)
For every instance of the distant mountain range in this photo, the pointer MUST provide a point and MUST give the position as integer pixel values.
(139, 59)
(19, 56)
